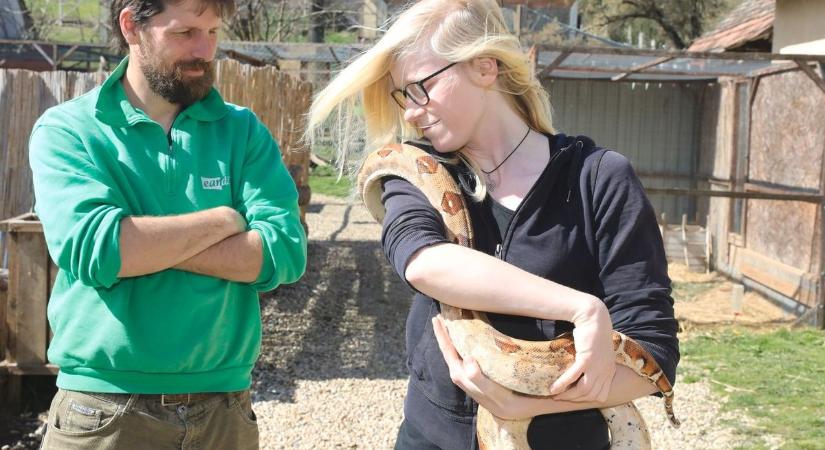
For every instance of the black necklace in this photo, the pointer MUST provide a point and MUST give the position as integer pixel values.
(509, 155)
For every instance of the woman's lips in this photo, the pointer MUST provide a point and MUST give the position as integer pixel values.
(430, 125)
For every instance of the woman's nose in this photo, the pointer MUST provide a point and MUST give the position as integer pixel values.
(412, 111)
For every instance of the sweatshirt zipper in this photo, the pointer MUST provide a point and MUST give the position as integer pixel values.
(508, 236)
(171, 167)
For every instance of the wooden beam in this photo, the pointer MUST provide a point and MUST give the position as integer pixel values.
(699, 75)
(67, 54)
(803, 65)
(244, 58)
(642, 67)
(810, 198)
(4, 288)
(553, 65)
(26, 223)
(43, 53)
(740, 56)
(22, 369)
(776, 189)
(775, 69)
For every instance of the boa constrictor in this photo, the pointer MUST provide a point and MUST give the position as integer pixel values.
(526, 367)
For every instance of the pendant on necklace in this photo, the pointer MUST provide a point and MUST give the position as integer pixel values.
(491, 184)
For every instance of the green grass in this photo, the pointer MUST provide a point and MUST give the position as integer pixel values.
(324, 180)
(86, 10)
(340, 37)
(776, 377)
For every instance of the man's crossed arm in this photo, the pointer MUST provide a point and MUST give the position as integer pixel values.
(210, 242)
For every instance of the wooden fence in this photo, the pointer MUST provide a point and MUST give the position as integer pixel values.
(279, 100)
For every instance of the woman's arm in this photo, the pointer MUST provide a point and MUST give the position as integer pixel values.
(413, 239)
(469, 279)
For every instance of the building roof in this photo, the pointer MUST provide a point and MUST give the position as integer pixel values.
(11, 20)
(750, 21)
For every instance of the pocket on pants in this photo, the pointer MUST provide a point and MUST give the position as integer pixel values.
(243, 406)
(84, 414)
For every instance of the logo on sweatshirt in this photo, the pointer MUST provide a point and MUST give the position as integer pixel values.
(215, 184)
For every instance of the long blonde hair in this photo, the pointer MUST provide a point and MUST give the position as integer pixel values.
(455, 30)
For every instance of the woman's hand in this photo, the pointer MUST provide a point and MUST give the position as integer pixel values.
(466, 374)
(589, 378)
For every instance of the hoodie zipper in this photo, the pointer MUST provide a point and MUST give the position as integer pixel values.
(171, 166)
(501, 249)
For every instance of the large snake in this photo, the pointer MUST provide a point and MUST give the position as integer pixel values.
(526, 367)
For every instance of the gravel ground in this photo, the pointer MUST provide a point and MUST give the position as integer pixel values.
(331, 373)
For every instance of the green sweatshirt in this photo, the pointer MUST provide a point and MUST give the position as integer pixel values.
(97, 159)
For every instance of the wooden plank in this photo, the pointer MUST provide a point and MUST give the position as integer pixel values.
(789, 281)
(553, 65)
(820, 83)
(19, 369)
(641, 67)
(28, 296)
(4, 288)
(810, 198)
(741, 56)
(21, 226)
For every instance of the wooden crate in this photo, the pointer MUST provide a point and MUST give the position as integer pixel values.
(26, 332)
(686, 244)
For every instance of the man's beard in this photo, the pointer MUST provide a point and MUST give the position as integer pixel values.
(169, 81)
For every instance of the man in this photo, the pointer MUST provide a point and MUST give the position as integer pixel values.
(166, 210)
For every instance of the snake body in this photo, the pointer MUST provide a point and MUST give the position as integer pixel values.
(526, 367)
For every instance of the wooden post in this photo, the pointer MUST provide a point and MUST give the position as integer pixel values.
(4, 287)
(819, 314)
(707, 244)
(684, 241)
(27, 298)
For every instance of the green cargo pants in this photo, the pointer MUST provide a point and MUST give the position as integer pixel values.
(88, 420)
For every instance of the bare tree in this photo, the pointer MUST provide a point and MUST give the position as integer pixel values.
(678, 22)
(288, 20)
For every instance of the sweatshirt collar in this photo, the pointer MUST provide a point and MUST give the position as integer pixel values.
(113, 107)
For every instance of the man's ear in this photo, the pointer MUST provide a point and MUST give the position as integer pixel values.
(129, 27)
(484, 70)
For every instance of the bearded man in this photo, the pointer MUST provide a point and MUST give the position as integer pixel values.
(166, 211)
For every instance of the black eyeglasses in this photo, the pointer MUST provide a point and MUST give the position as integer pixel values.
(415, 91)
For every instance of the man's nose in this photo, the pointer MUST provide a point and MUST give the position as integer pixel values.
(204, 48)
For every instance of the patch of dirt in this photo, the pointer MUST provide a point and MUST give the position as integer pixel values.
(707, 302)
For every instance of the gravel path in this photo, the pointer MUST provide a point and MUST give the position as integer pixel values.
(331, 374)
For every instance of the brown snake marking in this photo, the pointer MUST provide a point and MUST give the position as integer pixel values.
(526, 367)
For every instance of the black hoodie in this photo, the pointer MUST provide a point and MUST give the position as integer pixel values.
(586, 224)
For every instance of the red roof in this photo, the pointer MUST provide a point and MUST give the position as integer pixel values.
(751, 20)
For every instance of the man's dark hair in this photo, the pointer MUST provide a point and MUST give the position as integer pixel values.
(143, 10)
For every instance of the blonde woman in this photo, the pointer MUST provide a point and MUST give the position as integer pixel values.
(566, 239)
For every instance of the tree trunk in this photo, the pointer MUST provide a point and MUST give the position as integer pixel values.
(317, 21)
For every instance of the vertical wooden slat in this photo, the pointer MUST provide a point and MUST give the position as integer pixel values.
(28, 292)
(4, 290)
